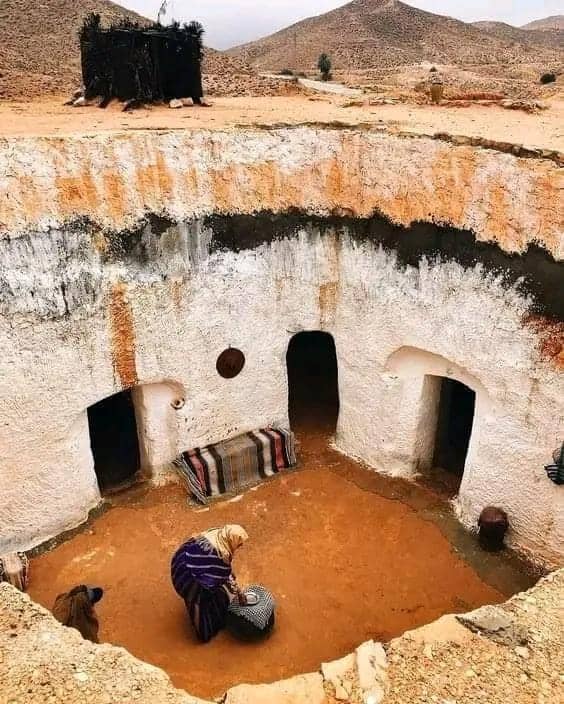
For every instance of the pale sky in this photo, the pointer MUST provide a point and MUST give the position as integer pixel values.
(231, 22)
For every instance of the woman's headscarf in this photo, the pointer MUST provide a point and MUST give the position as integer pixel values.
(226, 540)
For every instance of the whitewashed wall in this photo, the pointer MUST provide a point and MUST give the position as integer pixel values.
(391, 328)
(75, 329)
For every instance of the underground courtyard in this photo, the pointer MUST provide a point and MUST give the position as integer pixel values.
(346, 552)
(381, 296)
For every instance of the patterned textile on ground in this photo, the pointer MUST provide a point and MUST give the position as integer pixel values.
(229, 466)
(256, 618)
(14, 569)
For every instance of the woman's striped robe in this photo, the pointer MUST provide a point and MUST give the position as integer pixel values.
(205, 582)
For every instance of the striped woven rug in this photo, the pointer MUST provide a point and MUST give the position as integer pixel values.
(227, 467)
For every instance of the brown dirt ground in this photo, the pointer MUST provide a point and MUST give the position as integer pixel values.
(349, 555)
(50, 117)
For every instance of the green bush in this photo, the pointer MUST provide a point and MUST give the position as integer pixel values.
(324, 66)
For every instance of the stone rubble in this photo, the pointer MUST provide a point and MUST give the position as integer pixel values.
(493, 622)
(372, 665)
(339, 677)
(42, 662)
(469, 666)
(476, 658)
(303, 689)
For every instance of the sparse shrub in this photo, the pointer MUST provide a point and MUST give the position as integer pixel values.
(433, 69)
(286, 72)
(547, 78)
(324, 66)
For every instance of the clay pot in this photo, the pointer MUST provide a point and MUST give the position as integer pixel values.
(492, 527)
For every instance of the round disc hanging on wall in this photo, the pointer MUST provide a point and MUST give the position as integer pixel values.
(230, 363)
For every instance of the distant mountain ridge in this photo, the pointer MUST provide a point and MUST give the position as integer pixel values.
(509, 33)
(380, 33)
(547, 23)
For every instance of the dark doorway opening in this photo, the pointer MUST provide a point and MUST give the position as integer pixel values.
(454, 428)
(313, 387)
(114, 442)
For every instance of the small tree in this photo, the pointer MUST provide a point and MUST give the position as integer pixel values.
(324, 66)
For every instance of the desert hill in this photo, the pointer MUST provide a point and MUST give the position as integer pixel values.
(548, 23)
(371, 34)
(538, 37)
(39, 52)
(39, 43)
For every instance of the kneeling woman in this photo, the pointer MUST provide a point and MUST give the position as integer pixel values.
(202, 575)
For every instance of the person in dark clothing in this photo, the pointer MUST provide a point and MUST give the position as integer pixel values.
(75, 609)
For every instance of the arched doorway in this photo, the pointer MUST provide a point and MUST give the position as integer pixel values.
(313, 388)
(455, 420)
(114, 441)
(443, 405)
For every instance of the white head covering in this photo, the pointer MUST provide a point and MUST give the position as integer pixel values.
(226, 539)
